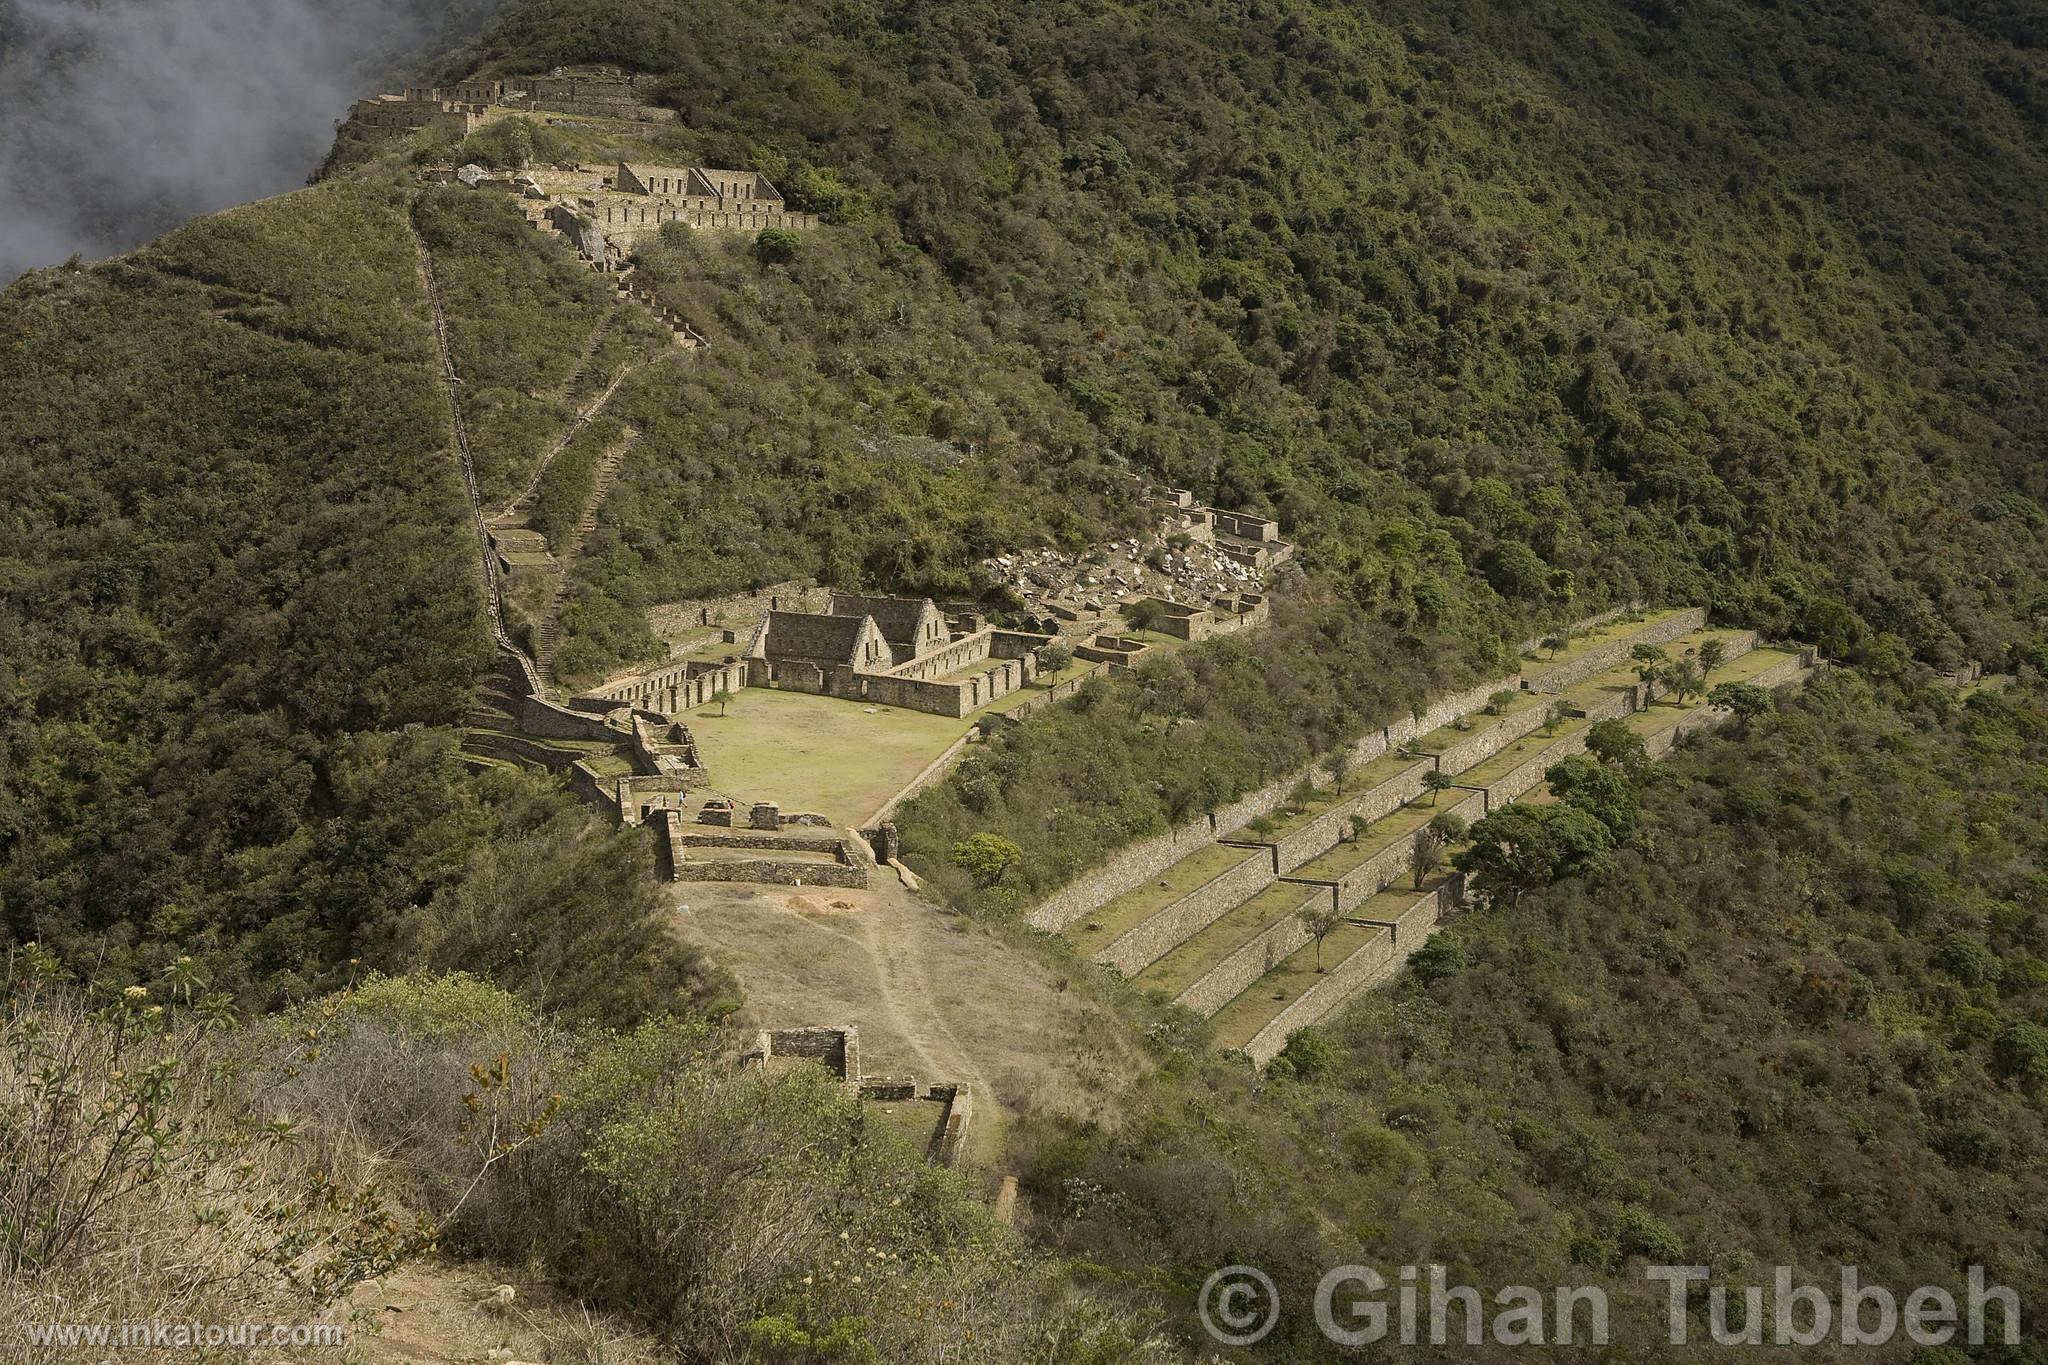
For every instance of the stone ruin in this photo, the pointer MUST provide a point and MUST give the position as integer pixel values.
(464, 107)
(1202, 569)
(838, 1051)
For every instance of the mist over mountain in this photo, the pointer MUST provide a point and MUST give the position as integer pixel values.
(127, 117)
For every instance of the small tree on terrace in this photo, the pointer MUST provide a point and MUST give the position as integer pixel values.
(1746, 700)
(1340, 763)
(1426, 855)
(1319, 918)
(1683, 678)
(722, 696)
(1650, 661)
(1613, 743)
(1435, 782)
(1552, 644)
(1713, 653)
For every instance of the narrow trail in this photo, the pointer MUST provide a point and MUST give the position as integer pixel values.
(494, 592)
(548, 627)
(524, 501)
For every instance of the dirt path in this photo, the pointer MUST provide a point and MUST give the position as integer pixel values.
(934, 995)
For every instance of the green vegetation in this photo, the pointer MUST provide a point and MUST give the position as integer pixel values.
(1817, 966)
(214, 1167)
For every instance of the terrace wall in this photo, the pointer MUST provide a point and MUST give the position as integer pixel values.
(1165, 929)
(1372, 963)
(1147, 858)
(1571, 672)
(1266, 950)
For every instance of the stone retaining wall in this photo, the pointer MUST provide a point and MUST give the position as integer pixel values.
(1571, 672)
(1484, 743)
(1372, 963)
(1251, 960)
(1322, 834)
(1159, 933)
(852, 876)
(1149, 857)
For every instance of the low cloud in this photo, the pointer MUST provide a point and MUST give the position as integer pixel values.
(126, 117)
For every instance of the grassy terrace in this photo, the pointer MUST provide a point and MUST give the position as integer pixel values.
(1102, 928)
(1237, 1022)
(1324, 799)
(1188, 963)
(1254, 1008)
(1332, 866)
(1444, 736)
(1602, 635)
(915, 1121)
(840, 758)
(1663, 714)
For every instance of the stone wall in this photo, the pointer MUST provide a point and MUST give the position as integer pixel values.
(774, 873)
(1571, 672)
(549, 721)
(1323, 833)
(1487, 740)
(1160, 932)
(1058, 692)
(1266, 950)
(787, 843)
(1372, 963)
(672, 688)
(835, 1049)
(951, 1138)
(1149, 857)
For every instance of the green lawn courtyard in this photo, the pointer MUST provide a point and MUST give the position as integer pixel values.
(842, 759)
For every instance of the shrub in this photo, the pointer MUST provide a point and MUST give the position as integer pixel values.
(1309, 1055)
(1968, 959)
(986, 857)
(2021, 1052)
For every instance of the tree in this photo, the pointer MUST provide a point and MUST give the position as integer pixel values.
(1054, 657)
(1552, 644)
(1682, 677)
(1613, 743)
(1449, 826)
(1144, 614)
(1650, 661)
(1520, 848)
(1435, 781)
(986, 857)
(1319, 918)
(1340, 763)
(1309, 1054)
(722, 696)
(1501, 700)
(1713, 653)
(1746, 700)
(1426, 854)
(1604, 793)
(776, 246)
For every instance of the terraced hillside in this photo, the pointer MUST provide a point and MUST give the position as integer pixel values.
(1226, 930)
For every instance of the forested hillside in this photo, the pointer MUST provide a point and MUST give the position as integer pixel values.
(1507, 312)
